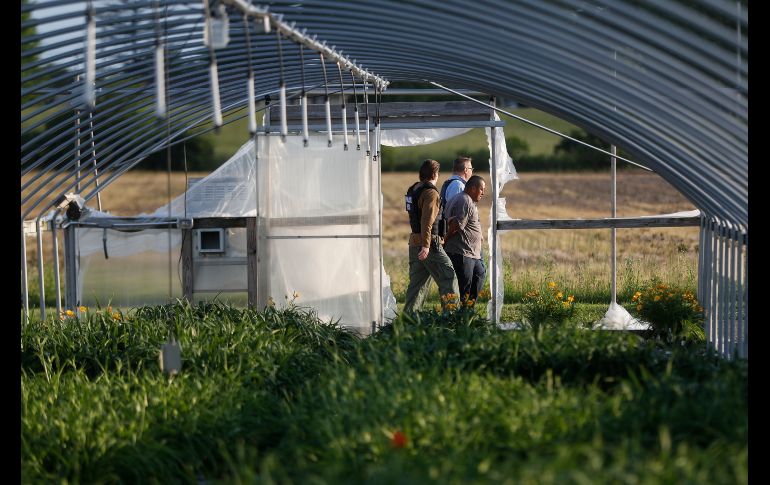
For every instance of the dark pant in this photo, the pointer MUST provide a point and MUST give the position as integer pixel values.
(470, 275)
(437, 266)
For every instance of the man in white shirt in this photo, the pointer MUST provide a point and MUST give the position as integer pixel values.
(462, 169)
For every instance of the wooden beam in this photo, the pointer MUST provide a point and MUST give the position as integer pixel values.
(316, 221)
(608, 222)
(251, 264)
(187, 265)
(219, 222)
(70, 268)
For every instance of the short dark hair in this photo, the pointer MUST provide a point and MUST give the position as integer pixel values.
(474, 181)
(428, 169)
(459, 163)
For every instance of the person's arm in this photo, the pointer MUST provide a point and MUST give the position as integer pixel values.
(457, 213)
(428, 203)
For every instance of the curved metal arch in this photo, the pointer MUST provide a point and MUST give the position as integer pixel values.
(666, 105)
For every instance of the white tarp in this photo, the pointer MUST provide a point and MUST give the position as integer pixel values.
(504, 173)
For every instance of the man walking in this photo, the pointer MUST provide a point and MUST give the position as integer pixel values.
(464, 238)
(462, 169)
(427, 258)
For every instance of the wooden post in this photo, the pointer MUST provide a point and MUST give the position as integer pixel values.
(71, 299)
(187, 264)
(251, 264)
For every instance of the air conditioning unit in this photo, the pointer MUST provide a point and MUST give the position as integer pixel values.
(211, 240)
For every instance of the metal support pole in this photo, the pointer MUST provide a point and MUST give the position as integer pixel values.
(24, 282)
(705, 274)
(77, 144)
(379, 231)
(733, 282)
(93, 154)
(746, 300)
(56, 276)
(714, 252)
(40, 275)
(613, 163)
(722, 293)
(739, 295)
(495, 194)
(701, 257)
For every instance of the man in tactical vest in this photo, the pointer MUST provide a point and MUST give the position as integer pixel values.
(427, 258)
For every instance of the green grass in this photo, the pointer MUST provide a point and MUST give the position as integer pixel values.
(278, 396)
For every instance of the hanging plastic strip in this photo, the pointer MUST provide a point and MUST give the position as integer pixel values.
(250, 82)
(305, 131)
(282, 98)
(378, 100)
(213, 72)
(326, 104)
(160, 69)
(366, 105)
(355, 111)
(89, 94)
(344, 110)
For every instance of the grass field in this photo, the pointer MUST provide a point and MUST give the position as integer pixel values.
(279, 397)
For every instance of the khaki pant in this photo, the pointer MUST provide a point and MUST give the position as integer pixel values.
(437, 266)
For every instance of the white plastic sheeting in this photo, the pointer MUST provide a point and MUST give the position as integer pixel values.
(504, 173)
(318, 226)
(405, 137)
(318, 229)
(135, 271)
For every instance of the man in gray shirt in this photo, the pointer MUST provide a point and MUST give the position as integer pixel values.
(464, 238)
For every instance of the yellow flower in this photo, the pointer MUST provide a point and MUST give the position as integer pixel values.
(551, 284)
(296, 295)
(70, 313)
(437, 308)
(571, 298)
(565, 304)
(657, 297)
(470, 303)
(116, 316)
(639, 307)
(83, 309)
(559, 295)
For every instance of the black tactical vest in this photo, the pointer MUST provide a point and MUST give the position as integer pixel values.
(412, 196)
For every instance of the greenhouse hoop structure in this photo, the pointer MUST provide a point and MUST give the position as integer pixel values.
(104, 84)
